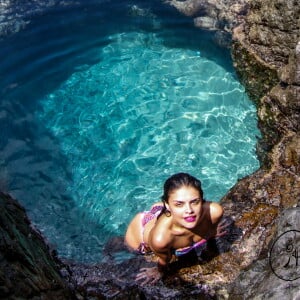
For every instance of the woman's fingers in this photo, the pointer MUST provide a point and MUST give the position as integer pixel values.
(221, 228)
(148, 275)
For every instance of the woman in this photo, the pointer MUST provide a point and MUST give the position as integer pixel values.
(175, 226)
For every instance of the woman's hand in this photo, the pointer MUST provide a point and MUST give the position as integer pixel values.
(221, 228)
(148, 275)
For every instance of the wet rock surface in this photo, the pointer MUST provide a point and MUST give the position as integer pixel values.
(218, 16)
(28, 267)
(259, 208)
(276, 276)
(213, 14)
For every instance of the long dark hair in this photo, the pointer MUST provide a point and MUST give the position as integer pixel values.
(177, 181)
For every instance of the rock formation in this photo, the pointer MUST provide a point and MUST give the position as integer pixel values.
(213, 14)
(28, 268)
(260, 207)
(266, 54)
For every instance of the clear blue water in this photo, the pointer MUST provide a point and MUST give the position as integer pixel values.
(97, 110)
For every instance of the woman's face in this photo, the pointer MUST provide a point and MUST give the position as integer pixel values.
(185, 206)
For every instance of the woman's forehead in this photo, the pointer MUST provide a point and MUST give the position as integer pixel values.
(184, 193)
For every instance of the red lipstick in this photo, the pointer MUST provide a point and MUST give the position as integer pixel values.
(190, 219)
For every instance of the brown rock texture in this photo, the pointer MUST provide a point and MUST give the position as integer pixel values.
(266, 53)
(213, 14)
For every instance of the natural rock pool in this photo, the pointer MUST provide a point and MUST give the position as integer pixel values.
(101, 103)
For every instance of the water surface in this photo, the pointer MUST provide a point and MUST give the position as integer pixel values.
(99, 105)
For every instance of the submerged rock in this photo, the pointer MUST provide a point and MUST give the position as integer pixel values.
(15, 15)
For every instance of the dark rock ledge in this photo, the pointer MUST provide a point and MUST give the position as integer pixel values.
(262, 207)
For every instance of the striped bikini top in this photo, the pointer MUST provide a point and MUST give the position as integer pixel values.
(154, 213)
(185, 250)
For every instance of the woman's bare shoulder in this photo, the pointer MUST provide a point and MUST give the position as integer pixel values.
(161, 236)
(216, 211)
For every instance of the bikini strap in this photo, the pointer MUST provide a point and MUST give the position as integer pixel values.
(185, 250)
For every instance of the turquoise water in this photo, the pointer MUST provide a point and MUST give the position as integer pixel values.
(104, 112)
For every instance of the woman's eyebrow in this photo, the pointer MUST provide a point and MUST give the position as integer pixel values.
(194, 199)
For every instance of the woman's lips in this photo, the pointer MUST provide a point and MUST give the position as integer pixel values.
(190, 219)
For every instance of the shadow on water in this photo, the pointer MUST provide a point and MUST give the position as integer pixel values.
(62, 40)
(37, 61)
(33, 167)
(176, 35)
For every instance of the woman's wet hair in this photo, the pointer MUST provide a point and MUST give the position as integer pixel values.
(177, 181)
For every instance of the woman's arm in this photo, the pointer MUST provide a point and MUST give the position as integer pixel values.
(160, 245)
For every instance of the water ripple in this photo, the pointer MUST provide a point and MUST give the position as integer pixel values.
(142, 114)
(97, 111)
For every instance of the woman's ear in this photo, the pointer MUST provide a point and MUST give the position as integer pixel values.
(167, 206)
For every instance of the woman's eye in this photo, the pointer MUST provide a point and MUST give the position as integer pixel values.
(197, 201)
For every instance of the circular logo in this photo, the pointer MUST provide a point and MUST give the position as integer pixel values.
(284, 256)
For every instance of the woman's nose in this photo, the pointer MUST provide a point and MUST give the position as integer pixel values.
(189, 208)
